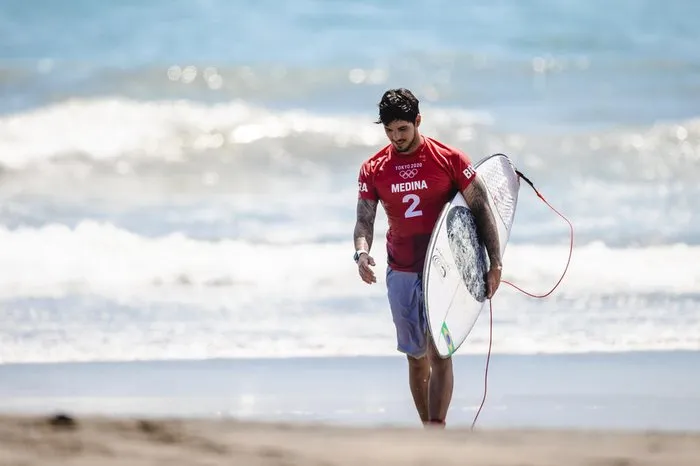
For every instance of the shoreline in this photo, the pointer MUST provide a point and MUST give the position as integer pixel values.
(594, 391)
(358, 357)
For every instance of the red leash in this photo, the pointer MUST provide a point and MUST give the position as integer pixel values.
(571, 248)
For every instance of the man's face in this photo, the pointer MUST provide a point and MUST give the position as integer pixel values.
(401, 134)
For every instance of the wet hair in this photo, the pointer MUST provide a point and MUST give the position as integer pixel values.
(398, 104)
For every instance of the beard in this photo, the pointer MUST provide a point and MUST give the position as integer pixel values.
(406, 145)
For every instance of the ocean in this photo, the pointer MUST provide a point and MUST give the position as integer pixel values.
(178, 179)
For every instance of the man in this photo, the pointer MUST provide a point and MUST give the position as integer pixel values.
(414, 176)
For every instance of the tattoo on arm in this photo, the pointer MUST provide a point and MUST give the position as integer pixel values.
(477, 200)
(364, 225)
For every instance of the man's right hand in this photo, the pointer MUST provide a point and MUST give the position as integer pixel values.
(363, 266)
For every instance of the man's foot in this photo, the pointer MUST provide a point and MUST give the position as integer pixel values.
(434, 424)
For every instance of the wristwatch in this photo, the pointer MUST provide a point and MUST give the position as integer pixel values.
(358, 253)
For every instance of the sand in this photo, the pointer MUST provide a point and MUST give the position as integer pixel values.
(70, 440)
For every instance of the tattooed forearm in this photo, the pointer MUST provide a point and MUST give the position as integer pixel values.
(364, 225)
(477, 200)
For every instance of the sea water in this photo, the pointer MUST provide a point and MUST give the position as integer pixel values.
(178, 178)
(626, 390)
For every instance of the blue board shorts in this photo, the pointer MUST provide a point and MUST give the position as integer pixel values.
(405, 292)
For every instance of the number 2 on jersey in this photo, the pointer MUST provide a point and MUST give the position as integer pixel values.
(411, 210)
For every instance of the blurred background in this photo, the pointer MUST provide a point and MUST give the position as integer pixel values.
(178, 178)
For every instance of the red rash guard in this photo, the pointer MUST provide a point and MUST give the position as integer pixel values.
(413, 188)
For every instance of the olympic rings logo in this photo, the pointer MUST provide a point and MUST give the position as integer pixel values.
(406, 174)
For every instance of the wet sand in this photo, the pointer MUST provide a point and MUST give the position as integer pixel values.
(68, 440)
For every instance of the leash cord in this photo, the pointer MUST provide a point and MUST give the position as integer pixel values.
(533, 295)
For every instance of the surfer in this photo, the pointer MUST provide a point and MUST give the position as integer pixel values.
(413, 177)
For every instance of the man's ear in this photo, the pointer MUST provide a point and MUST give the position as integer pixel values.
(418, 120)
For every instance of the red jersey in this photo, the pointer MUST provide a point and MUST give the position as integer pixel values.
(413, 188)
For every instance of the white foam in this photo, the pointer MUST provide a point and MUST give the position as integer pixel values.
(176, 297)
(105, 129)
(293, 328)
(599, 269)
(100, 258)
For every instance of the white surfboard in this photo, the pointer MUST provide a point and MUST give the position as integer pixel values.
(456, 263)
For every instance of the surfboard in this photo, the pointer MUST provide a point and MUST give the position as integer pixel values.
(454, 286)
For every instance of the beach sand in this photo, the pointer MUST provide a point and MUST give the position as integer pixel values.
(67, 440)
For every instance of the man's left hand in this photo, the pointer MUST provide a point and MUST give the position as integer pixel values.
(493, 279)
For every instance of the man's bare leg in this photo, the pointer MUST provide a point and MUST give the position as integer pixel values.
(418, 380)
(441, 385)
